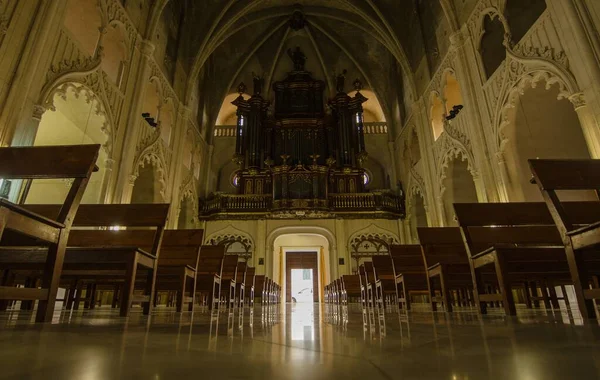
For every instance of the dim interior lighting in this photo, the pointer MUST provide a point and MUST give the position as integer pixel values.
(116, 228)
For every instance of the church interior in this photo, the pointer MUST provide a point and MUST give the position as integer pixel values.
(299, 189)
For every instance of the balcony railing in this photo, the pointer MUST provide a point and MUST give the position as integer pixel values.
(224, 205)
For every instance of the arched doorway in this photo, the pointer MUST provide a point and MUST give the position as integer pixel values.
(289, 241)
(76, 116)
(539, 126)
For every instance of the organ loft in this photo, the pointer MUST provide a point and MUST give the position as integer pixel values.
(302, 155)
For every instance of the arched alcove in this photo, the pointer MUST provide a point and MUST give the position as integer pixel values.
(459, 187)
(147, 187)
(77, 117)
(452, 92)
(167, 121)
(437, 115)
(491, 48)
(83, 21)
(116, 54)
(521, 15)
(152, 101)
(539, 126)
(377, 177)
(373, 112)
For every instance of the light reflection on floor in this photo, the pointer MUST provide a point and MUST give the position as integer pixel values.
(300, 341)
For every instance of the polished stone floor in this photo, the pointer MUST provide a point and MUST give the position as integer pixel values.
(299, 342)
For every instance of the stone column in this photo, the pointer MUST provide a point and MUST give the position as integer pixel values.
(582, 45)
(176, 165)
(122, 193)
(339, 251)
(474, 119)
(31, 68)
(443, 218)
(503, 186)
(107, 180)
(260, 246)
(589, 125)
(480, 187)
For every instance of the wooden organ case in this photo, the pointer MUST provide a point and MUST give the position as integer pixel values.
(299, 154)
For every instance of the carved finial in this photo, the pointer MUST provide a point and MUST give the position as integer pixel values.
(298, 20)
(358, 85)
(241, 88)
(341, 81)
(258, 83)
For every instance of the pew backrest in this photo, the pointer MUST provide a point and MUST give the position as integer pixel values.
(250, 276)
(554, 175)
(383, 266)
(211, 260)
(241, 272)
(230, 266)
(443, 245)
(407, 258)
(181, 248)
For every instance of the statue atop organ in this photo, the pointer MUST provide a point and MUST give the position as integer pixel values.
(305, 153)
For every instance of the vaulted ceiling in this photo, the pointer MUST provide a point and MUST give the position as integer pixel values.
(380, 42)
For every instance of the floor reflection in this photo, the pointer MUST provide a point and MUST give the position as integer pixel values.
(299, 341)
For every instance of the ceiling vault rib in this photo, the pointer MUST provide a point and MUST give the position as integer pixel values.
(320, 57)
(257, 46)
(275, 61)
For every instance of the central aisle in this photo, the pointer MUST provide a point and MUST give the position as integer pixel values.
(300, 341)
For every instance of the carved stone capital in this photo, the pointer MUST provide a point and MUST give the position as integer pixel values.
(108, 163)
(500, 158)
(38, 111)
(147, 48)
(578, 100)
(457, 39)
(132, 179)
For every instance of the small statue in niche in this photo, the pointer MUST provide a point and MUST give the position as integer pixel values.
(340, 81)
(258, 83)
(298, 58)
(297, 21)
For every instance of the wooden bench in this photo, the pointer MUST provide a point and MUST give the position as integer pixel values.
(447, 264)
(249, 285)
(385, 281)
(208, 274)
(101, 255)
(351, 287)
(47, 162)
(409, 272)
(178, 263)
(240, 283)
(228, 277)
(579, 229)
(362, 276)
(519, 241)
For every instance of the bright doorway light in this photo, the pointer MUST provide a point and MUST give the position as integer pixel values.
(302, 286)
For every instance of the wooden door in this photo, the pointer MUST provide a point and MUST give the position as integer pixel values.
(301, 260)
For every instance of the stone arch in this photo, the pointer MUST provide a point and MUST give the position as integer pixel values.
(540, 123)
(235, 241)
(187, 216)
(414, 147)
(369, 241)
(416, 211)
(167, 120)
(74, 114)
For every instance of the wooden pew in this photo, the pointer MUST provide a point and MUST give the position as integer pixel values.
(446, 262)
(250, 285)
(228, 277)
(385, 281)
(518, 240)
(362, 275)
(260, 282)
(268, 291)
(177, 265)
(409, 271)
(579, 228)
(240, 283)
(208, 273)
(100, 255)
(351, 286)
(44, 162)
(370, 283)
